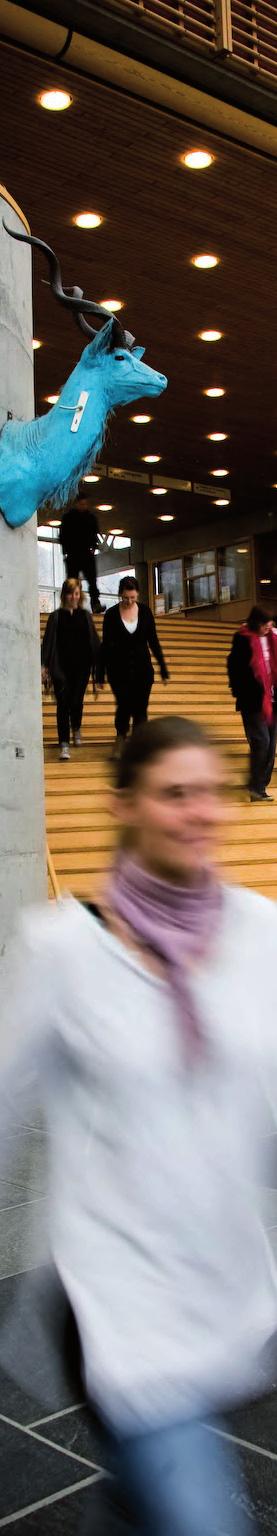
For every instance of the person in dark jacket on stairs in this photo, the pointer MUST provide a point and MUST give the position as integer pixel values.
(129, 634)
(69, 654)
(78, 537)
(252, 672)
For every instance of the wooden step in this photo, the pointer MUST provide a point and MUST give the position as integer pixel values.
(78, 794)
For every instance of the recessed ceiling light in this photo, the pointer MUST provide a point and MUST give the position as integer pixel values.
(204, 263)
(221, 501)
(104, 506)
(197, 159)
(166, 517)
(221, 472)
(210, 335)
(242, 549)
(52, 399)
(116, 532)
(214, 394)
(151, 458)
(112, 304)
(265, 581)
(217, 437)
(140, 421)
(54, 522)
(87, 220)
(158, 490)
(36, 345)
(91, 479)
(55, 101)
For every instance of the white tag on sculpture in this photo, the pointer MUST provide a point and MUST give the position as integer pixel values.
(80, 407)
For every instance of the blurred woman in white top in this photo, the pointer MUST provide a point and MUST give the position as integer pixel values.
(150, 1027)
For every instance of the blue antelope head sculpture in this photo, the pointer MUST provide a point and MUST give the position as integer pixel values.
(42, 461)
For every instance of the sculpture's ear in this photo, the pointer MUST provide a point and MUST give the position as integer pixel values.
(101, 343)
(138, 352)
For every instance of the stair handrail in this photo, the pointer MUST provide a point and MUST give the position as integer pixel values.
(52, 875)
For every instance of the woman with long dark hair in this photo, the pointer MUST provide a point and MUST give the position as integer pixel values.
(69, 654)
(129, 637)
(155, 1057)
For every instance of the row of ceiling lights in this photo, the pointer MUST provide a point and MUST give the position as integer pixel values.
(58, 100)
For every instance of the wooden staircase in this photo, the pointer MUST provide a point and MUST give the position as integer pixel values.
(79, 823)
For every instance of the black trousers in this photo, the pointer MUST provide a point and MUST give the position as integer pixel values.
(131, 704)
(70, 699)
(87, 565)
(262, 742)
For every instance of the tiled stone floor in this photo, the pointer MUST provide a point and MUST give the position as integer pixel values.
(53, 1465)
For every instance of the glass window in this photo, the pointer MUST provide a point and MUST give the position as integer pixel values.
(234, 573)
(169, 583)
(44, 531)
(201, 579)
(108, 585)
(58, 565)
(45, 564)
(51, 568)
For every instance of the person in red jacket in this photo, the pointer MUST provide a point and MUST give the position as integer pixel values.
(252, 671)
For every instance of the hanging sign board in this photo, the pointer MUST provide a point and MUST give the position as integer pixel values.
(208, 490)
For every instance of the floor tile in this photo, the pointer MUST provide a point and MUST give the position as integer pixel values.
(34, 1381)
(12, 1194)
(79, 1432)
(257, 1422)
(25, 1159)
(261, 1475)
(30, 1471)
(23, 1237)
(81, 1514)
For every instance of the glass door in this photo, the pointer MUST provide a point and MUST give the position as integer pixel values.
(169, 585)
(201, 583)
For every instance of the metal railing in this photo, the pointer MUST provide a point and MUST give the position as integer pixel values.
(52, 875)
(245, 31)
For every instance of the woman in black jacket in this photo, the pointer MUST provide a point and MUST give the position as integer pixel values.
(69, 653)
(129, 634)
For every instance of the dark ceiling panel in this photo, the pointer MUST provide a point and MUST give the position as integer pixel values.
(122, 158)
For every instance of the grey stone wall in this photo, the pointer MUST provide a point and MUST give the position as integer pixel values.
(22, 833)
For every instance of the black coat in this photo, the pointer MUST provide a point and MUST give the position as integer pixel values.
(245, 687)
(52, 656)
(125, 659)
(78, 532)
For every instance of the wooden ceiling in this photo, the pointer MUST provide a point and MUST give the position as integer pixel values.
(121, 157)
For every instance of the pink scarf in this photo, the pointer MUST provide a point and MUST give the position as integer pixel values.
(177, 923)
(267, 677)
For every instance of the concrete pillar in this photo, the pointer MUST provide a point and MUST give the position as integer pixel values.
(22, 833)
(142, 578)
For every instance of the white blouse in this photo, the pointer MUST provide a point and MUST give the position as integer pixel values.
(130, 624)
(155, 1208)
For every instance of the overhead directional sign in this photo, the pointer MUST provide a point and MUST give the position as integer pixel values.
(141, 477)
(209, 490)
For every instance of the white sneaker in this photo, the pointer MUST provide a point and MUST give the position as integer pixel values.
(64, 752)
(77, 738)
